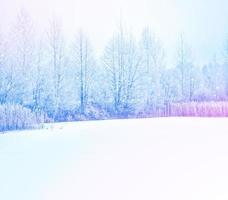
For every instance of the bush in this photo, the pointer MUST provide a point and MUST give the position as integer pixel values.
(15, 117)
(95, 112)
(92, 112)
(200, 109)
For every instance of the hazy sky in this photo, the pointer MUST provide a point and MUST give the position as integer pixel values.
(204, 23)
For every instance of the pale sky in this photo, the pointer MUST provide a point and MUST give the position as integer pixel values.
(204, 23)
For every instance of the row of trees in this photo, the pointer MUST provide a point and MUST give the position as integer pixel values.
(66, 80)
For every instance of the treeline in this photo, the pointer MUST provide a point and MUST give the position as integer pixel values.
(65, 80)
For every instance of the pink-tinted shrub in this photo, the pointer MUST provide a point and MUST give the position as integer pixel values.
(201, 109)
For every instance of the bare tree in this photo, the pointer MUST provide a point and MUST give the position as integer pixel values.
(22, 44)
(6, 74)
(122, 62)
(153, 62)
(84, 63)
(56, 43)
(226, 65)
(184, 64)
(226, 49)
(39, 78)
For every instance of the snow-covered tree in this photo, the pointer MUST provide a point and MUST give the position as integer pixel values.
(84, 63)
(225, 65)
(122, 63)
(22, 48)
(40, 78)
(153, 65)
(56, 44)
(6, 74)
(186, 68)
(214, 82)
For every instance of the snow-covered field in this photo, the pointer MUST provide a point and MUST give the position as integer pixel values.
(156, 159)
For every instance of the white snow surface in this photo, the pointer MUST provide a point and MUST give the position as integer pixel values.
(139, 159)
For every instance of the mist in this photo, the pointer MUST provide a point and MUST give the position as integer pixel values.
(202, 22)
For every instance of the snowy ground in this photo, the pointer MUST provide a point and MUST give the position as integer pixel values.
(156, 159)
